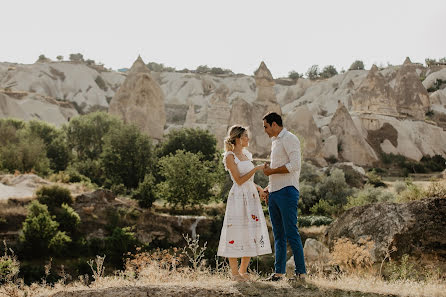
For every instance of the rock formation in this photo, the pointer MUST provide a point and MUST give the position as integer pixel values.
(140, 101)
(374, 95)
(411, 96)
(251, 114)
(414, 228)
(351, 143)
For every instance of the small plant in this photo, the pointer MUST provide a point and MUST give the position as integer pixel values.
(351, 256)
(405, 270)
(193, 251)
(400, 186)
(9, 266)
(97, 267)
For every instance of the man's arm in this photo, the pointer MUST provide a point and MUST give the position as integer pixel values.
(292, 148)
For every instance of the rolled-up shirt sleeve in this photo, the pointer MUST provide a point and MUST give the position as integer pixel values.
(292, 148)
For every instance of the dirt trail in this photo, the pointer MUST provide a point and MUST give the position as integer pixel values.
(240, 289)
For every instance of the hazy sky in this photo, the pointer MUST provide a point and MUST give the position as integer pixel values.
(287, 35)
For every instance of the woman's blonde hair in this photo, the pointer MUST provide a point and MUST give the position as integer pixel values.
(234, 132)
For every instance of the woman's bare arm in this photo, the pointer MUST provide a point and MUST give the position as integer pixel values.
(230, 163)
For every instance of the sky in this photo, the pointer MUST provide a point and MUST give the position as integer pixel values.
(236, 35)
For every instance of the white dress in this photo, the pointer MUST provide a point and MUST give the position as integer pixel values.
(244, 232)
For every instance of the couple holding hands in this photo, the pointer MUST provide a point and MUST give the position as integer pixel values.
(244, 233)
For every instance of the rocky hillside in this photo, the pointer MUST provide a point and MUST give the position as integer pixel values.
(353, 116)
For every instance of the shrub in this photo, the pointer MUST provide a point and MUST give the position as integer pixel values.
(412, 193)
(77, 57)
(59, 242)
(369, 195)
(203, 69)
(324, 208)
(351, 256)
(120, 242)
(306, 221)
(54, 196)
(9, 267)
(313, 72)
(328, 71)
(188, 179)
(357, 65)
(400, 186)
(375, 179)
(189, 140)
(436, 189)
(38, 231)
(307, 197)
(309, 173)
(127, 156)
(294, 75)
(145, 193)
(333, 188)
(67, 218)
(101, 83)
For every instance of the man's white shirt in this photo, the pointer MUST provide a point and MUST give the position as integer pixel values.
(285, 150)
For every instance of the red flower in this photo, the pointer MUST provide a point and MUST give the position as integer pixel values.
(231, 242)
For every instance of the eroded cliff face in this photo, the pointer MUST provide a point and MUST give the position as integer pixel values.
(394, 96)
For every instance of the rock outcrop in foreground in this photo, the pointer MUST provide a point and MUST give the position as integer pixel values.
(417, 228)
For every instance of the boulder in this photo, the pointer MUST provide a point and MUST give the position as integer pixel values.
(140, 101)
(330, 147)
(416, 228)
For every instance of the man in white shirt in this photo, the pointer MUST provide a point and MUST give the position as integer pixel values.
(283, 194)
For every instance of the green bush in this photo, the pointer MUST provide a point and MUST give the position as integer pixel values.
(59, 242)
(412, 193)
(357, 65)
(307, 197)
(127, 156)
(189, 140)
(375, 179)
(333, 188)
(324, 208)
(38, 231)
(26, 153)
(54, 196)
(328, 71)
(85, 134)
(188, 179)
(145, 193)
(369, 195)
(313, 72)
(119, 243)
(307, 221)
(9, 266)
(67, 218)
(400, 186)
(294, 75)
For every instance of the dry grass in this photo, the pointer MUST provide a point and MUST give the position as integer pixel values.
(377, 285)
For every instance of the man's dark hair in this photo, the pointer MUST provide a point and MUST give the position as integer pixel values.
(271, 117)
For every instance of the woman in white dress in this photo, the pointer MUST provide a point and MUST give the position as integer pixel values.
(244, 233)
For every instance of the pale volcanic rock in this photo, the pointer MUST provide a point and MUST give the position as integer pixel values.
(374, 95)
(353, 145)
(140, 101)
(410, 94)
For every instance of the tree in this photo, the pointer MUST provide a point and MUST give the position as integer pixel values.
(78, 58)
(313, 72)
(127, 156)
(203, 69)
(153, 66)
(357, 65)
(294, 75)
(40, 234)
(188, 179)
(59, 58)
(328, 71)
(43, 59)
(145, 193)
(190, 140)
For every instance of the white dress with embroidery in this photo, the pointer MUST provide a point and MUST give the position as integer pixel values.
(244, 232)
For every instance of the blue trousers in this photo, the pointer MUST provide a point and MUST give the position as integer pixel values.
(282, 206)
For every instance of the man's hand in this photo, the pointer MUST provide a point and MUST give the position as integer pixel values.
(267, 170)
